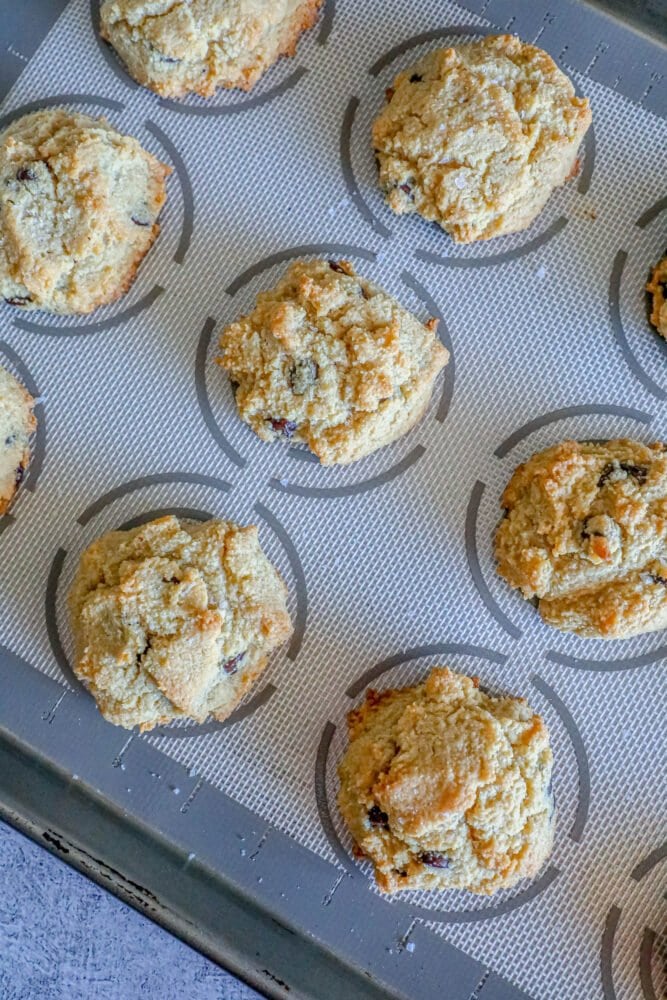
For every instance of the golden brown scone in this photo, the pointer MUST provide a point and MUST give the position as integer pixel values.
(477, 137)
(329, 359)
(196, 46)
(585, 531)
(17, 423)
(657, 289)
(445, 787)
(79, 204)
(175, 620)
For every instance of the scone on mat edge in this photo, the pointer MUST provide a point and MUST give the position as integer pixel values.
(445, 787)
(79, 205)
(200, 45)
(585, 531)
(17, 424)
(175, 619)
(657, 289)
(476, 137)
(330, 360)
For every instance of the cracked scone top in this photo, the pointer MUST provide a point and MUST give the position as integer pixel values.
(476, 137)
(585, 532)
(179, 47)
(17, 423)
(657, 289)
(79, 204)
(175, 620)
(445, 787)
(329, 359)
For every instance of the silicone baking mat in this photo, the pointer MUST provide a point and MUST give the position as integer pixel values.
(388, 561)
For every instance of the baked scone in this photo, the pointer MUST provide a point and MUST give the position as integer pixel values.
(175, 619)
(476, 137)
(17, 423)
(329, 359)
(79, 204)
(196, 46)
(445, 787)
(657, 289)
(585, 532)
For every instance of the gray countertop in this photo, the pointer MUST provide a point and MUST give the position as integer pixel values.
(62, 936)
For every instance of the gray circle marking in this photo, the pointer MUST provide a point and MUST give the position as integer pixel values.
(351, 489)
(445, 338)
(322, 800)
(608, 666)
(107, 51)
(579, 824)
(303, 455)
(299, 578)
(434, 649)
(235, 109)
(187, 513)
(306, 249)
(651, 213)
(6, 521)
(348, 173)
(143, 481)
(617, 326)
(186, 189)
(607, 953)
(649, 862)
(646, 964)
(238, 715)
(103, 324)
(52, 621)
(56, 101)
(564, 413)
(422, 39)
(494, 259)
(327, 22)
(474, 565)
(202, 396)
(590, 148)
(39, 442)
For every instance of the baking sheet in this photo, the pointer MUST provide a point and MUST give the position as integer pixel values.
(389, 561)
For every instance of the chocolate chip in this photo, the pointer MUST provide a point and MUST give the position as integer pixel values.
(231, 666)
(335, 266)
(26, 174)
(659, 579)
(389, 93)
(284, 427)
(234, 385)
(18, 300)
(18, 478)
(434, 860)
(302, 375)
(416, 78)
(638, 472)
(378, 818)
(9, 440)
(140, 222)
(364, 292)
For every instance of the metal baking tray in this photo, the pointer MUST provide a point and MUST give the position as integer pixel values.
(221, 870)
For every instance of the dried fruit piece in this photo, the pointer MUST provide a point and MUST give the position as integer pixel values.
(434, 860)
(378, 818)
(284, 427)
(302, 375)
(230, 667)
